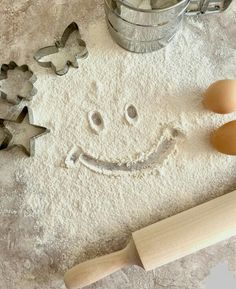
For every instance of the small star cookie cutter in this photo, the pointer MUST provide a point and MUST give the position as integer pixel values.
(22, 95)
(10, 138)
(46, 51)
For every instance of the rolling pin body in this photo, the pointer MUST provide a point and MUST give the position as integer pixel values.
(165, 241)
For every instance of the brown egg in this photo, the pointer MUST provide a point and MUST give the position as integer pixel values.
(220, 96)
(224, 138)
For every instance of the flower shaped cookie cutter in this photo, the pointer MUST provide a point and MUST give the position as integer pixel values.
(81, 53)
(25, 91)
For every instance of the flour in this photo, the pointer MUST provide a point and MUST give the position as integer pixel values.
(54, 210)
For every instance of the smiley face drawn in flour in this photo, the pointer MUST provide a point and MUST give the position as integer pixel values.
(156, 154)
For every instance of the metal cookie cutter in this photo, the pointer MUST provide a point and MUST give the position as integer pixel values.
(26, 91)
(46, 51)
(15, 129)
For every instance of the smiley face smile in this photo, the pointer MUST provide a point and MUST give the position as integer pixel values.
(153, 158)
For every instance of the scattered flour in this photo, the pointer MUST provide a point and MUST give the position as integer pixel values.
(54, 214)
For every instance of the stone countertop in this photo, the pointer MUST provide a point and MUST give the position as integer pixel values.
(44, 229)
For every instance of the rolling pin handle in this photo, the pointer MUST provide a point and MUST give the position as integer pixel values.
(93, 270)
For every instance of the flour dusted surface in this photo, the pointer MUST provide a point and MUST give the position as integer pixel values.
(52, 216)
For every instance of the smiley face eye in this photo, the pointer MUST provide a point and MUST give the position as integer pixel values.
(131, 114)
(95, 121)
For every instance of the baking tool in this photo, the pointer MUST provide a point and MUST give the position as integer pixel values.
(220, 96)
(164, 242)
(19, 127)
(26, 91)
(50, 50)
(148, 28)
(224, 138)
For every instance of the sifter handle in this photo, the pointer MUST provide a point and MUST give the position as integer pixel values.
(196, 7)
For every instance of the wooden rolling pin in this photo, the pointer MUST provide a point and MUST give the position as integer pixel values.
(164, 242)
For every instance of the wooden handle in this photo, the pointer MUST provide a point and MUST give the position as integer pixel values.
(91, 271)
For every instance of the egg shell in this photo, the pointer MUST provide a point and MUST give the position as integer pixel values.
(220, 97)
(224, 138)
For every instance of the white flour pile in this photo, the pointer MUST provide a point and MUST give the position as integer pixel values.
(66, 204)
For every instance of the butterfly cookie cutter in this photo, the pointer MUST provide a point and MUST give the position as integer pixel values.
(29, 90)
(12, 136)
(46, 51)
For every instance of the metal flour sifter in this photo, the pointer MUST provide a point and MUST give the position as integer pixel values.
(148, 25)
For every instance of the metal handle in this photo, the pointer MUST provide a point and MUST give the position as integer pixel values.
(196, 7)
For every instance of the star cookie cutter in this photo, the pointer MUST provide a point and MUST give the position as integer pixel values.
(24, 94)
(46, 51)
(11, 138)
